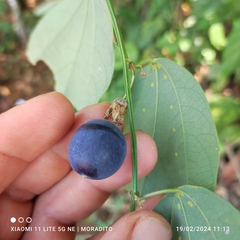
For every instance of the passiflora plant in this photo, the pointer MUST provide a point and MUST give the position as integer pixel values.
(77, 39)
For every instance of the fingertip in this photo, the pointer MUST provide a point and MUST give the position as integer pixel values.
(95, 111)
(139, 225)
(60, 103)
(147, 151)
(29, 129)
(150, 225)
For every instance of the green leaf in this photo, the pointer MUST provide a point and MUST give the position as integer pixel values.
(75, 40)
(197, 213)
(44, 7)
(230, 134)
(231, 56)
(217, 36)
(170, 105)
(225, 110)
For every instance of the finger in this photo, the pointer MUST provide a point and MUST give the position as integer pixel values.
(48, 168)
(92, 193)
(28, 130)
(75, 197)
(138, 225)
(53, 164)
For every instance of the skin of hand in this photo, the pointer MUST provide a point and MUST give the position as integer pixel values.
(36, 179)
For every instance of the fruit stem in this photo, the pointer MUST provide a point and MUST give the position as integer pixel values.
(128, 80)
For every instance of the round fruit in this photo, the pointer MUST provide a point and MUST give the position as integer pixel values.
(97, 149)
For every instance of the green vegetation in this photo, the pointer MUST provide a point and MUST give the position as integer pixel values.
(162, 39)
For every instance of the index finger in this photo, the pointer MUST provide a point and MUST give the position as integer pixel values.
(28, 130)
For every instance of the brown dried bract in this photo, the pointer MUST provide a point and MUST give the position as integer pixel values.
(143, 74)
(116, 111)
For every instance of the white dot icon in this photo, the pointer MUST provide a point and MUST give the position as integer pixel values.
(28, 219)
(20, 219)
(13, 219)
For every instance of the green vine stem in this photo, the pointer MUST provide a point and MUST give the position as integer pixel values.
(125, 62)
(159, 192)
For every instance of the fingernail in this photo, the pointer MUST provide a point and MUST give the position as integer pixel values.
(150, 228)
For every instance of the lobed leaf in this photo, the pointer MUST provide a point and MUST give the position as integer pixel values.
(75, 40)
(197, 213)
(170, 105)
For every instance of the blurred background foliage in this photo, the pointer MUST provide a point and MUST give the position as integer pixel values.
(202, 36)
(199, 35)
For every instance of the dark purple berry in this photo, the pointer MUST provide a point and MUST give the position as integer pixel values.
(97, 149)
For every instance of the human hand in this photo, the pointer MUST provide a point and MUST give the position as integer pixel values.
(36, 179)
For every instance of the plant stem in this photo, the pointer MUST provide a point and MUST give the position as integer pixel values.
(170, 190)
(127, 78)
(18, 24)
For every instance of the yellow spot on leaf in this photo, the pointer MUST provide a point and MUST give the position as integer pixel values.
(176, 154)
(144, 110)
(153, 66)
(171, 106)
(179, 238)
(174, 129)
(179, 206)
(152, 84)
(165, 76)
(190, 204)
(181, 193)
(158, 65)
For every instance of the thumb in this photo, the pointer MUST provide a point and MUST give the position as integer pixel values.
(139, 225)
